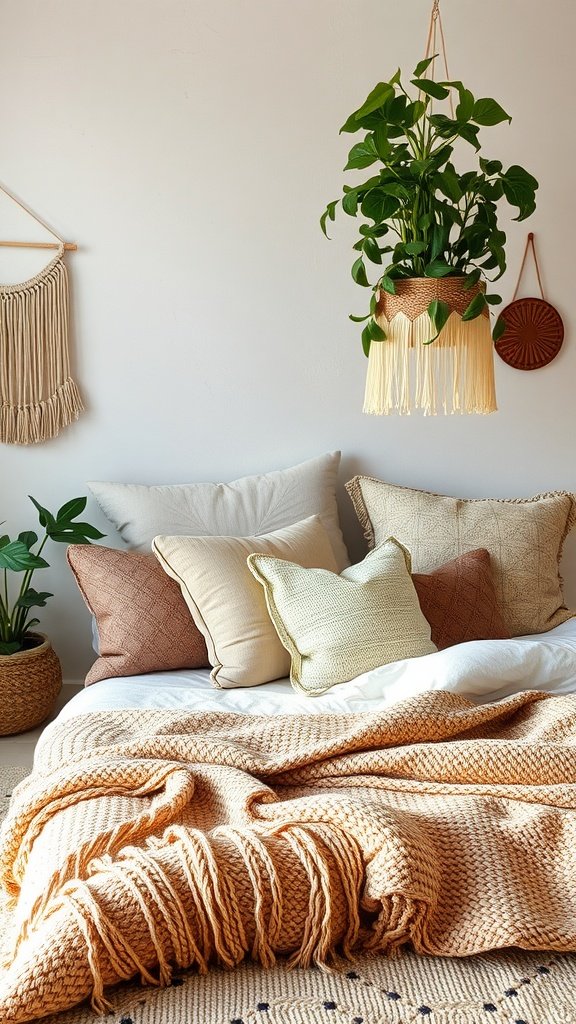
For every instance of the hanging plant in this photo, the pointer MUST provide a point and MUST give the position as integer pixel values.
(422, 218)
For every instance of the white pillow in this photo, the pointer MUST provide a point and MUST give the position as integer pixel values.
(250, 506)
(229, 606)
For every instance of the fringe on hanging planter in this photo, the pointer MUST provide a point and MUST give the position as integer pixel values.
(37, 393)
(453, 374)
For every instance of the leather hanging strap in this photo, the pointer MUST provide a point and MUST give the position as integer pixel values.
(529, 242)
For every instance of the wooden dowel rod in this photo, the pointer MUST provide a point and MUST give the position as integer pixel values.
(70, 246)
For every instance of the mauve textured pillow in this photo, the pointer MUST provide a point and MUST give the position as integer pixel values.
(459, 601)
(143, 622)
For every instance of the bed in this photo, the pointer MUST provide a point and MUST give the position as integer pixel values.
(182, 818)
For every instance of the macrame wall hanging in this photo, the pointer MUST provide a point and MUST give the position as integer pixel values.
(534, 330)
(38, 396)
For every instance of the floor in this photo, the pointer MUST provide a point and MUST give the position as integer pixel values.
(19, 750)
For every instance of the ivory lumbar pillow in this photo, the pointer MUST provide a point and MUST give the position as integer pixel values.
(228, 605)
(247, 507)
(524, 537)
(337, 626)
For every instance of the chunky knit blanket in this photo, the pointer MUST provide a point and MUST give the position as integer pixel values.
(149, 840)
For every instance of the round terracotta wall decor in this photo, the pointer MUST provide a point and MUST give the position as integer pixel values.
(533, 336)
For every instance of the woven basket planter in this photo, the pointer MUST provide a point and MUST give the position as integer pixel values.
(453, 374)
(30, 681)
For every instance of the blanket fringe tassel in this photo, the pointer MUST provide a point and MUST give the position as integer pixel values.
(333, 866)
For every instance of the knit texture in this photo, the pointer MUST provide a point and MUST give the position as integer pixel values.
(524, 537)
(142, 619)
(337, 626)
(459, 601)
(150, 840)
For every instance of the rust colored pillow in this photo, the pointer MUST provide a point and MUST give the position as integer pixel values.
(459, 600)
(143, 622)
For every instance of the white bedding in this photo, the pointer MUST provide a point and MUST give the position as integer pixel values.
(483, 670)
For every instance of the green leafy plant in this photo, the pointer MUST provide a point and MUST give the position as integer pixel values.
(422, 217)
(19, 556)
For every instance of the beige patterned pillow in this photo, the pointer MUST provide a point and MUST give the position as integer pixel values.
(336, 627)
(226, 602)
(524, 537)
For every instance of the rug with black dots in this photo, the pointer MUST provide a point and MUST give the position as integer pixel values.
(505, 987)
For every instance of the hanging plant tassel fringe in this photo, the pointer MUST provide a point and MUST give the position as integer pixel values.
(453, 374)
(37, 393)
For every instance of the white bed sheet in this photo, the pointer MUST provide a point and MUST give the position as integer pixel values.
(483, 670)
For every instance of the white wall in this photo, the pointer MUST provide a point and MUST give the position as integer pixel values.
(189, 146)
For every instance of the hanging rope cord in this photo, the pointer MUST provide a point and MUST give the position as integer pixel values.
(529, 242)
(436, 29)
(32, 214)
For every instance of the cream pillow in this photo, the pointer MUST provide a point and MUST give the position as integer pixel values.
(249, 506)
(226, 602)
(524, 537)
(336, 627)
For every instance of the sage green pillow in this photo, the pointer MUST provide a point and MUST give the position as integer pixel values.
(337, 626)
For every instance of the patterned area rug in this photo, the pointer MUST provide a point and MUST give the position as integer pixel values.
(507, 987)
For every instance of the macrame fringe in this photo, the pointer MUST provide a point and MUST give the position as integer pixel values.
(454, 374)
(39, 422)
(37, 394)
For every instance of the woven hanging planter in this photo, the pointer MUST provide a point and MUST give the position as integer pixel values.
(453, 374)
(30, 681)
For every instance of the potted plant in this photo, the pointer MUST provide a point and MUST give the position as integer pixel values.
(30, 673)
(430, 229)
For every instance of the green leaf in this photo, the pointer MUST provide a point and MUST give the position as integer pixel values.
(33, 599)
(45, 517)
(423, 65)
(472, 279)
(490, 166)
(358, 274)
(475, 307)
(380, 93)
(414, 111)
(469, 132)
(362, 155)
(447, 182)
(329, 212)
(359, 319)
(74, 533)
(10, 648)
(387, 284)
(488, 112)
(379, 206)
(350, 203)
(381, 143)
(437, 268)
(493, 300)
(439, 311)
(4, 540)
(372, 250)
(15, 556)
(465, 107)
(499, 328)
(376, 332)
(431, 88)
(519, 189)
(73, 508)
(28, 538)
(415, 248)
(366, 340)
